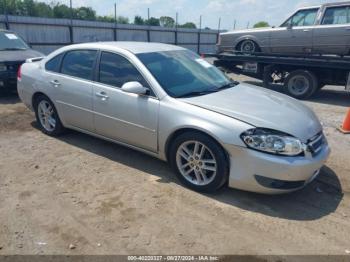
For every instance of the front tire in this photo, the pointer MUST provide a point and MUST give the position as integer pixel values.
(47, 116)
(199, 161)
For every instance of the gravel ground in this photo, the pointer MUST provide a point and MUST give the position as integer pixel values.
(80, 195)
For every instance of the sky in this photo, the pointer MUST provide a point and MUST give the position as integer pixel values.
(243, 11)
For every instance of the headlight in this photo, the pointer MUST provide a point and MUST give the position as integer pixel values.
(3, 68)
(273, 142)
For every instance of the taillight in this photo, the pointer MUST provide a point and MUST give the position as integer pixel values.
(19, 73)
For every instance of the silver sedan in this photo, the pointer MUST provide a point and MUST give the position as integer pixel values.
(166, 101)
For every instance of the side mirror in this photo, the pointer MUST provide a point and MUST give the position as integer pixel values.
(135, 88)
(290, 26)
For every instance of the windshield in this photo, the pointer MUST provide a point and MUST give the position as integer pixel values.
(10, 41)
(183, 73)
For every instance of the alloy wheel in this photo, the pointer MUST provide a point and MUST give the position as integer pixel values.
(46, 116)
(196, 163)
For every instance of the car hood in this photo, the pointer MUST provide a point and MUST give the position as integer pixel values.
(18, 55)
(262, 108)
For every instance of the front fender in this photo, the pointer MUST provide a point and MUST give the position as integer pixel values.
(175, 115)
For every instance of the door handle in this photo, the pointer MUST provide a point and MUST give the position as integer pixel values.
(347, 28)
(102, 95)
(55, 83)
(306, 30)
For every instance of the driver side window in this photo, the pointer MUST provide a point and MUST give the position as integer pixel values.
(116, 70)
(302, 18)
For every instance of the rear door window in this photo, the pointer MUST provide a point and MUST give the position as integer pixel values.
(336, 15)
(54, 64)
(79, 63)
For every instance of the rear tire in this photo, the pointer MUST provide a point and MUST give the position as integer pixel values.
(47, 116)
(199, 162)
(301, 84)
(248, 47)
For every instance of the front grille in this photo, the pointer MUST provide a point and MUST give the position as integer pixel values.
(315, 144)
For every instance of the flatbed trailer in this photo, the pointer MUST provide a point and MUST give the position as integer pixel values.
(300, 76)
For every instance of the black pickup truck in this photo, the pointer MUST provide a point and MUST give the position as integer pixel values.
(13, 52)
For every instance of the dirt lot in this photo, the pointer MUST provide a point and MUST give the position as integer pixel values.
(107, 199)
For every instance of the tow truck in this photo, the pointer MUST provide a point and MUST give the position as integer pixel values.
(301, 76)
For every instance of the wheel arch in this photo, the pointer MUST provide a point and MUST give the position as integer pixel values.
(239, 41)
(59, 127)
(38, 94)
(171, 138)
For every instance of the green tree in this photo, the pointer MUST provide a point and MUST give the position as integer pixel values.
(152, 21)
(26, 7)
(43, 10)
(61, 11)
(188, 25)
(110, 19)
(105, 18)
(261, 24)
(122, 20)
(85, 13)
(2, 7)
(138, 20)
(55, 9)
(12, 7)
(29, 8)
(166, 21)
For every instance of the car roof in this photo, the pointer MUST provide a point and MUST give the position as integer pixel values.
(325, 5)
(133, 47)
(336, 4)
(309, 7)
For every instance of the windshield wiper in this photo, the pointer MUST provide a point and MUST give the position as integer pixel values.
(12, 49)
(202, 93)
(227, 86)
(197, 93)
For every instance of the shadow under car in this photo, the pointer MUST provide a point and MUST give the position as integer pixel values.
(316, 200)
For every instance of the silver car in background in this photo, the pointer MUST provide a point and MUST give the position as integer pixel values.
(321, 29)
(166, 101)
